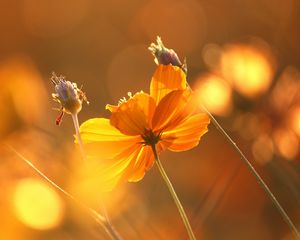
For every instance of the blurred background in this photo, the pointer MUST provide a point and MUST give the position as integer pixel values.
(243, 57)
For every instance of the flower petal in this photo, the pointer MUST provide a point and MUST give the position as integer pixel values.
(130, 165)
(106, 174)
(187, 134)
(134, 116)
(102, 140)
(166, 79)
(174, 108)
(143, 162)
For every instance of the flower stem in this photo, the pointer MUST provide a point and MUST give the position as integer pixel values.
(76, 126)
(173, 193)
(256, 175)
(101, 220)
(111, 231)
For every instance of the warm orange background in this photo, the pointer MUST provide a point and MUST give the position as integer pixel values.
(243, 56)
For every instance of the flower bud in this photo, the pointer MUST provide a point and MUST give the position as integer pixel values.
(166, 56)
(68, 95)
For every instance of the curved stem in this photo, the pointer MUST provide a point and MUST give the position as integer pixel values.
(173, 193)
(109, 229)
(256, 175)
(113, 232)
(76, 126)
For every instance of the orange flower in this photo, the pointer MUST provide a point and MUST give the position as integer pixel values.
(168, 117)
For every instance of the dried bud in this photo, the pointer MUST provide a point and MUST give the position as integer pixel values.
(166, 56)
(68, 95)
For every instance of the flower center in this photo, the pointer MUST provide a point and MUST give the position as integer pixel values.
(150, 138)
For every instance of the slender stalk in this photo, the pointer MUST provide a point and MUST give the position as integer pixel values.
(256, 175)
(76, 126)
(113, 232)
(107, 224)
(93, 213)
(173, 194)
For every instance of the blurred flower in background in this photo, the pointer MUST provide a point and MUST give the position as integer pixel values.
(46, 213)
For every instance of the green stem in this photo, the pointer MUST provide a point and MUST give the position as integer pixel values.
(256, 175)
(173, 193)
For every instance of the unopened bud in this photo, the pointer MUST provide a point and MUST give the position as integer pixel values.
(166, 56)
(68, 95)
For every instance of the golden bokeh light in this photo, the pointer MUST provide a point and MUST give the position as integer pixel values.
(287, 143)
(86, 185)
(37, 205)
(23, 97)
(247, 68)
(295, 120)
(286, 89)
(214, 93)
(263, 149)
(211, 54)
(248, 125)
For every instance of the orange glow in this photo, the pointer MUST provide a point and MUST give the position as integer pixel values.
(125, 61)
(215, 94)
(21, 80)
(48, 19)
(263, 149)
(22, 93)
(248, 125)
(295, 120)
(286, 143)
(211, 54)
(286, 89)
(248, 69)
(37, 205)
(103, 47)
(188, 16)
